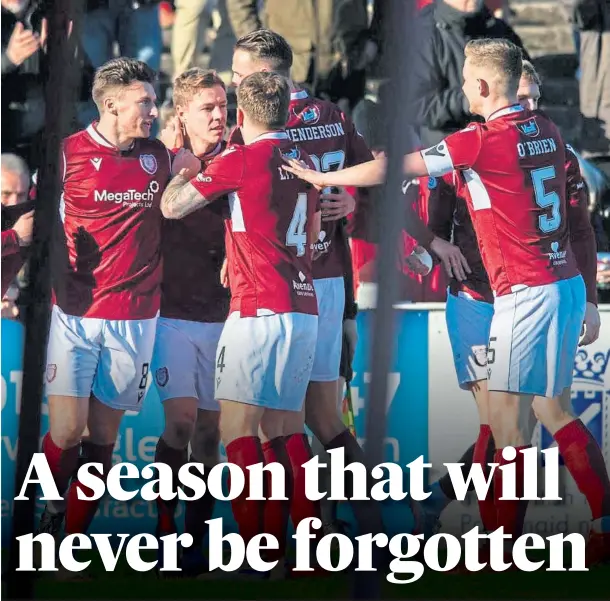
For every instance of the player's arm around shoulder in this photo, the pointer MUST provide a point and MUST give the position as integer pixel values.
(191, 189)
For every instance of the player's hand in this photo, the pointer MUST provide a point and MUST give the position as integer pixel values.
(171, 135)
(22, 44)
(337, 206)
(591, 325)
(23, 228)
(224, 274)
(10, 310)
(186, 164)
(420, 261)
(302, 171)
(350, 333)
(451, 257)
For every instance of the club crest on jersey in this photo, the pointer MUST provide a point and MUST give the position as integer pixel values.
(293, 153)
(51, 372)
(432, 183)
(148, 162)
(529, 128)
(310, 116)
(480, 355)
(162, 376)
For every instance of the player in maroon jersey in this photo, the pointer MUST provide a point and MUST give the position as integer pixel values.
(512, 174)
(106, 281)
(266, 350)
(469, 309)
(194, 306)
(331, 140)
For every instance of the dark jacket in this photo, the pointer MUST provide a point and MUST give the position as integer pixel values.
(439, 104)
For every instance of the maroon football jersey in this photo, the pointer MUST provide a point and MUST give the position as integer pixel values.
(511, 172)
(109, 263)
(193, 252)
(266, 237)
(330, 139)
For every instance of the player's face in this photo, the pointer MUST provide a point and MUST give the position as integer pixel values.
(472, 88)
(206, 115)
(15, 188)
(528, 94)
(136, 110)
(243, 65)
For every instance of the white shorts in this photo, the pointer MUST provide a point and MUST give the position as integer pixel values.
(534, 338)
(109, 358)
(468, 324)
(184, 360)
(266, 360)
(330, 293)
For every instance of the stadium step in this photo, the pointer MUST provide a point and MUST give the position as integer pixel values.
(539, 12)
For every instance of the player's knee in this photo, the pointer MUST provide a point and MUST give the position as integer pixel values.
(549, 411)
(68, 430)
(272, 424)
(205, 441)
(178, 432)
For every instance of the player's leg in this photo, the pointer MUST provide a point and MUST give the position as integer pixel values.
(204, 444)
(175, 372)
(468, 325)
(120, 385)
(580, 451)
(72, 358)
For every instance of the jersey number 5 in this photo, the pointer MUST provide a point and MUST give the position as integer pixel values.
(546, 199)
(296, 234)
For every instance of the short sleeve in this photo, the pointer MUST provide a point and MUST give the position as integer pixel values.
(457, 151)
(223, 175)
(357, 149)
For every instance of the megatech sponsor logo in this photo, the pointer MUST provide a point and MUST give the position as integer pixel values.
(131, 198)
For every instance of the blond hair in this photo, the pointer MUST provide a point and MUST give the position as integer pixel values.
(191, 82)
(264, 97)
(530, 74)
(119, 73)
(500, 56)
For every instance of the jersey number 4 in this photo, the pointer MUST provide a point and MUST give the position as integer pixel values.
(545, 200)
(296, 234)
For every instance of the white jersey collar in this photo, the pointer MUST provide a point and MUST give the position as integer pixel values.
(299, 95)
(509, 110)
(272, 135)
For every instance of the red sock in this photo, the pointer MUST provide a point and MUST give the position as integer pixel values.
(300, 452)
(80, 512)
(62, 462)
(248, 514)
(276, 513)
(510, 515)
(175, 458)
(482, 447)
(585, 462)
(198, 512)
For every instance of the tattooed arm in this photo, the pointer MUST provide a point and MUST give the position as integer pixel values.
(181, 198)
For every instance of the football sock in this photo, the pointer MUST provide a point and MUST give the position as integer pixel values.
(80, 512)
(299, 452)
(484, 449)
(198, 512)
(510, 514)
(367, 513)
(63, 464)
(445, 481)
(248, 514)
(276, 513)
(585, 462)
(175, 459)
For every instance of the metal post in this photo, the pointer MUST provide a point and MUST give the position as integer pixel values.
(63, 81)
(398, 17)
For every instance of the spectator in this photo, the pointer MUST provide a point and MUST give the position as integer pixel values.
(592, 21)
(133, 24)
(331, 41)
(22, 90)
(444, 28)
(192, 18)
(17, 218)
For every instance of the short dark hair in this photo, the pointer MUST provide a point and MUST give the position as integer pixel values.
(264, 97)
(270, 47)
(118, 73)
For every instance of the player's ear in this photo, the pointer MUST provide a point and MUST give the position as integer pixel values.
(240, 117)
(483, 88)
(110, 105)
